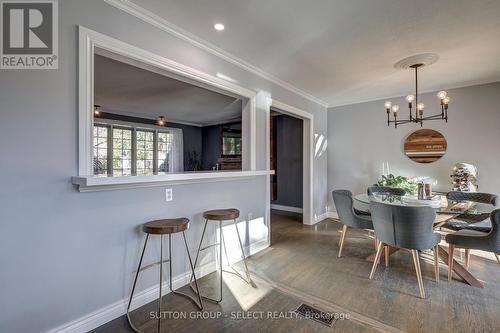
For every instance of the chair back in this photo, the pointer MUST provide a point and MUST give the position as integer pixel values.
(385, 190)
(494, 235)
(404, 226)
(486, 198)
(344, 205)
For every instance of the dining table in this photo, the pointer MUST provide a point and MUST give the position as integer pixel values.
(445, 211)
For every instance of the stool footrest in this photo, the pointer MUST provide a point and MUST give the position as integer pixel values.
(152, 265)
(180, 293)
(209, 246)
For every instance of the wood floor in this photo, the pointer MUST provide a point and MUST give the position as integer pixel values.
(301, 266)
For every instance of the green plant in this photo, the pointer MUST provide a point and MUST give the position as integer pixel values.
(402, 182)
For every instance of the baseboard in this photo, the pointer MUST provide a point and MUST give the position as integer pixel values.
(326, 215)
(287, 208)
(117, 309)
(257, 247)
(332, 215)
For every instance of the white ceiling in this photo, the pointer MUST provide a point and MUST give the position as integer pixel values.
(124, 89)
(343, 51)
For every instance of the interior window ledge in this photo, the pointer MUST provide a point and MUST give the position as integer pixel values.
(103, 183)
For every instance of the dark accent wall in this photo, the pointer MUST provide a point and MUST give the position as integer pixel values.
(289, 155)
(192, 141)
(211, 137)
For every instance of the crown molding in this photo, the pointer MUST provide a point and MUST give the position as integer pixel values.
(155, 20)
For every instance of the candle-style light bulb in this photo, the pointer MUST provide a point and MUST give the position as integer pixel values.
(410, 98)
(395, 108)
(388, 105)
(442, 94)
(446, 100)
(420, 106)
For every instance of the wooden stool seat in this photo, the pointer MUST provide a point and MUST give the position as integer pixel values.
(222, 214)
(166, 226)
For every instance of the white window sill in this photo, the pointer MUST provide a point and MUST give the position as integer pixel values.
(103, 183)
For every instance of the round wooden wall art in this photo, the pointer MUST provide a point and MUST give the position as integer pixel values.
(425, 146)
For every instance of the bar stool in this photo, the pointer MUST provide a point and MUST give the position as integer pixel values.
(221, 215)
(164, 227)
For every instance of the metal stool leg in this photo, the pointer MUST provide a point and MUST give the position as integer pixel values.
(235, 271)
(220, 261)
(161, 282)
(133, 287)
(199, 248)
(198, 303)
(242, 252)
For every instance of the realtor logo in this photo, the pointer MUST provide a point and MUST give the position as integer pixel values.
(29, 34)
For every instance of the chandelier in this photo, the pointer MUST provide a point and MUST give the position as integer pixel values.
(416, 108)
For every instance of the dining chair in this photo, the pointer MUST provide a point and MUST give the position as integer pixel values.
(405, 227)
(476, 222)
(475, 240)
(347, 215)
(470, 221)
(385, 190)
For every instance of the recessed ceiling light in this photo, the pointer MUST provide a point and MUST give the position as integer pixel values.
(219, 26)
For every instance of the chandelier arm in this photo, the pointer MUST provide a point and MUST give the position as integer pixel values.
(400, 122)
(433, 117)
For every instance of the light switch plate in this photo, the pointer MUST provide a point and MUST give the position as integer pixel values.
(169, 195)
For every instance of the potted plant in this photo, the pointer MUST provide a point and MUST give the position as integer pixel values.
(409, 186)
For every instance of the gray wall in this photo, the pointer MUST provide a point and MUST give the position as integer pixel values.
(289, 163)
(65, 254)
(359, 140)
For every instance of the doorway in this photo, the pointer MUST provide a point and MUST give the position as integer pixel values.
(291, 157)
(287, 160)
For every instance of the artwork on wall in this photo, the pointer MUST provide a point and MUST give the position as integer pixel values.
(425, 146)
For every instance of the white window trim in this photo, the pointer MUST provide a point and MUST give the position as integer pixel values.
(110, 124)
(88, 41)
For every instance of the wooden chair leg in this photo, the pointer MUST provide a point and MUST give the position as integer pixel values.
(342, 239)
(436, 262)
(386, 255)
(497, 256)
(467, 258)
(451, 249)
(377, 259)
(416, 261)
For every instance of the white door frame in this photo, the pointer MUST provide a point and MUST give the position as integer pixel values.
(308, 154)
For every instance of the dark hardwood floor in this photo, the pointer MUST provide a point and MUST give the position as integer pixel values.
(301, 266)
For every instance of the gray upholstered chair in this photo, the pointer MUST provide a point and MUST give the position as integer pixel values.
(476, 240)
(405, 227)
(476, 222)
(348, 217)
(385, 190)
(486, 198)
(471, 221)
